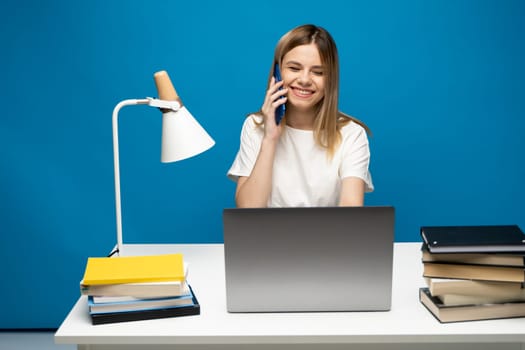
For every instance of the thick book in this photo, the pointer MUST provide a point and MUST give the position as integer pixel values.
(461, 299)
(471, 312)
(150, 314)
(105, 305)
(134, 269)
(136, 290)
(474, 272)
(442, 286)
(473, 239)
(503, 259)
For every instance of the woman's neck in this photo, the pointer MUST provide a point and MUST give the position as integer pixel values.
(297, 119)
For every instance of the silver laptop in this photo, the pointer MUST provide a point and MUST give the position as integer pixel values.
(308, 259)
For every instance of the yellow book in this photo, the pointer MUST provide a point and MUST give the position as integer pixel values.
(134, 269)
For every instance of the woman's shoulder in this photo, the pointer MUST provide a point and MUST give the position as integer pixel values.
(253, 121)
(252, 125)
(351, 126)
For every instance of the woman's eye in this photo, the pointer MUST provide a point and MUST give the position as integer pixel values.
(293, 69)
(319, 73)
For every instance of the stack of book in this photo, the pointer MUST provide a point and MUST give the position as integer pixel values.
(473, 272)
(135, 288)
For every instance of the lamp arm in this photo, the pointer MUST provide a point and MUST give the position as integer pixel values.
(152, 102)
(116, 164)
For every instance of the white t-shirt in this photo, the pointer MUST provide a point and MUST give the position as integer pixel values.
(303, 176)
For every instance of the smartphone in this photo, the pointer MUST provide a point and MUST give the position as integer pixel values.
(279, 112)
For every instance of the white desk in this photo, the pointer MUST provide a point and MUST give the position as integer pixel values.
(407, 326)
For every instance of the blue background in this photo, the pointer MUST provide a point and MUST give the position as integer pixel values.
(440, 83)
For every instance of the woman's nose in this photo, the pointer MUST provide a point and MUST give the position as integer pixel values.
(304, 78)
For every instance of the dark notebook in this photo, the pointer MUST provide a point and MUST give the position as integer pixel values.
(150, 314)
(145, 314)
(473, 239)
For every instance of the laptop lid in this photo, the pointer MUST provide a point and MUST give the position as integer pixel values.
(308, 259)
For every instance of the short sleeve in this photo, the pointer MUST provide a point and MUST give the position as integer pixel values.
(250, 144)
(356, 155)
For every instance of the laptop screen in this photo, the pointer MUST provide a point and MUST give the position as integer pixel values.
(308, 259)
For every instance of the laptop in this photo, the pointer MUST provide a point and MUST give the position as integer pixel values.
(308, 259)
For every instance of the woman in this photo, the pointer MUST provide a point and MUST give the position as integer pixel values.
(316, 156)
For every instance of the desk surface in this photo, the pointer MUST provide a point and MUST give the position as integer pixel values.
(407, 322)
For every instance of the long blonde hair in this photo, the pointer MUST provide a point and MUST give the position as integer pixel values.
(329, 120)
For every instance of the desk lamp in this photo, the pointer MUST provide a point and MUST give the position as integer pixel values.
(182, 135)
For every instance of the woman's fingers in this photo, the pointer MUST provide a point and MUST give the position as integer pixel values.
(275, 96)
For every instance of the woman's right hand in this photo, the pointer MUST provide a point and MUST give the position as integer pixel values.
(275, 96)
(254, 190)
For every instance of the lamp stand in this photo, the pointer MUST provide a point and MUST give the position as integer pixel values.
(169, 105)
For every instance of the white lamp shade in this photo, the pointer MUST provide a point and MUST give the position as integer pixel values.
(182, 136)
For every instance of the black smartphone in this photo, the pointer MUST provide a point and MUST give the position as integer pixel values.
(279, 112)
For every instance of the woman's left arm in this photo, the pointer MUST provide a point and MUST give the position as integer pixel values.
(352, 192)
(354, 168)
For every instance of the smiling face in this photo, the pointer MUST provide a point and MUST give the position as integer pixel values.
(304, 76)
(309, 64)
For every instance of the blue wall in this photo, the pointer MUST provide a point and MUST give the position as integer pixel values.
(441, 84)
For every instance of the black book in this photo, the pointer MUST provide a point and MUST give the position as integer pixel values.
(469, 312)
(97, 319)
(500, 259)
(473, 239)
(150, 314)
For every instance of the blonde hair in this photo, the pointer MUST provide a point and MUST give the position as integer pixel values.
(329, 120)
